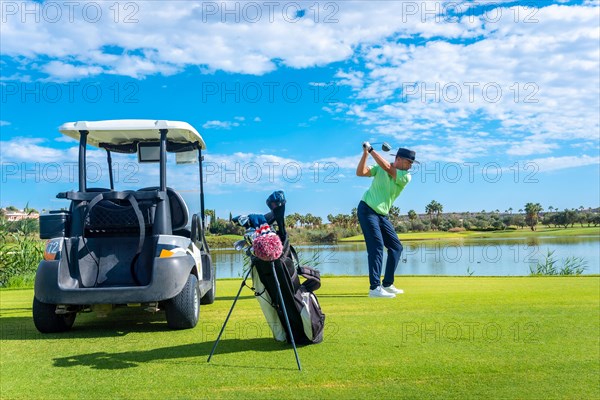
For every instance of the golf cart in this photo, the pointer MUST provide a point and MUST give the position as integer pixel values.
(126, 248)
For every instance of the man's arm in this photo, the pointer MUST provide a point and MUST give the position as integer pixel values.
(362, 169)
(384, 164)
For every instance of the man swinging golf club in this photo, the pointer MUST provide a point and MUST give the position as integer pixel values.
(388, 182)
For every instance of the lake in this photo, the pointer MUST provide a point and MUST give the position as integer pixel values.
(476, 257)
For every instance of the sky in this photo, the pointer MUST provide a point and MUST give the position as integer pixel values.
(499, 99)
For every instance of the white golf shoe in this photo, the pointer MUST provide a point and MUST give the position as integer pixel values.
(379, 292)
(393, 289)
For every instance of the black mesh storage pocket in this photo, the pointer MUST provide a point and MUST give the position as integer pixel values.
(112, 217)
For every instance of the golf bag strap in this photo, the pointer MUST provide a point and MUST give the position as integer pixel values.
(312, 276)
(295, 256)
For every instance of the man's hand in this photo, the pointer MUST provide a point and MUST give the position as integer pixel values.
(367, 147)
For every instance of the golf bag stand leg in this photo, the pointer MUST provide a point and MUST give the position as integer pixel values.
(230, 311)
(287, 320)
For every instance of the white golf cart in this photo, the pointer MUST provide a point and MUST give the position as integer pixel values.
(116, 248)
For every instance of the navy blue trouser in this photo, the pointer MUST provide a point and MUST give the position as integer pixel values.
(379, 232)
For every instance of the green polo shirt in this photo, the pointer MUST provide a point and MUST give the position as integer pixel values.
(384, 190)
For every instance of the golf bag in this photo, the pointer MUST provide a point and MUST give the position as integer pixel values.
(307, 321)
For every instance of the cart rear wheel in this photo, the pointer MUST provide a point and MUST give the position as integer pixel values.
(47, 321)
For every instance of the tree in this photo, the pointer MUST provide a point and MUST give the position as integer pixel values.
(582, 218)
(354, 216)
(434, 207)
(532, 214)
(412, 215)
(394, 214)
(519, 221)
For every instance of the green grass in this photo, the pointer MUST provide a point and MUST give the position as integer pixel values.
(447, 337)
(519, 233)
(220, 241)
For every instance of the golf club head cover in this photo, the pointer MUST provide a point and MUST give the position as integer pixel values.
(256, 220)
(276, 199)
(267, 246)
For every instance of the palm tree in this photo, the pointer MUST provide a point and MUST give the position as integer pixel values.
(510, 210)
(394, 213)
(412, 215)
(533, 211)
(430, 209)
(434, 207)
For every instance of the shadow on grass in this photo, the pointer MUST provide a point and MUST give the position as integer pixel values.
(131, 359)
(118, 324)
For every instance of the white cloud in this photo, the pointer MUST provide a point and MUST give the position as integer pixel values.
(65, 72)
(547, 73)
(29, 149)
(257, 119)
(166, 37)
(215, 124)
(224, 173)
(529, 147)
(4, 123)
(565, 162)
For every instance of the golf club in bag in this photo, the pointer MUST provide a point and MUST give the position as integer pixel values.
(290, 307)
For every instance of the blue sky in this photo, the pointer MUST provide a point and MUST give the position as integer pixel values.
(499, 99)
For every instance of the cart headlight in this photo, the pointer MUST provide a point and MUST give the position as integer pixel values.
(53, 249)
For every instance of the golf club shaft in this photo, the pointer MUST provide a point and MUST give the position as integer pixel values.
(287, 321)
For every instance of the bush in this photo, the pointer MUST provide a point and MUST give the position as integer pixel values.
(417, 226)
(224, 227)
(401, 228)
(458, 229)
(314, 235)
(550, 266)
(445, 225)
(19, 258)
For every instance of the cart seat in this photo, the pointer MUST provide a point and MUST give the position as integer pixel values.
(179, 210)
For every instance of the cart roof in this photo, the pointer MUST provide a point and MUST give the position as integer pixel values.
(126, 131)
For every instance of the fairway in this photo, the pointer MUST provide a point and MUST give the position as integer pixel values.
(447, 337)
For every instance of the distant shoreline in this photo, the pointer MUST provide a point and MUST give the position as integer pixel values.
(225, 241)
(508, 233)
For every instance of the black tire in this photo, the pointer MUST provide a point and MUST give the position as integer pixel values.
(47, 321)
(183, 310)
(209, 297)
